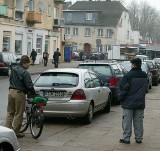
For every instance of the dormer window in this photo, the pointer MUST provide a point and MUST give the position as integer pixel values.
(88, 16)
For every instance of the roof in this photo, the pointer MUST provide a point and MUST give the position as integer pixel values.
(111, 11)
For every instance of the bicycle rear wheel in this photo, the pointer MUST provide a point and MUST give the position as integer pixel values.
(36, 124)
(25, 122)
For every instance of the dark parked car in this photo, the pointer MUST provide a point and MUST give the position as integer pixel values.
(97, 56)
(8, 61)
(154, 70)
(110, 73)
(127, 66)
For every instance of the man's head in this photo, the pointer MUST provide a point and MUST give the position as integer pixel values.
(136, 62)
(57, 49)
(25, 61)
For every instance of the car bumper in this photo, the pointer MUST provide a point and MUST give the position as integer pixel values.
(75, 108)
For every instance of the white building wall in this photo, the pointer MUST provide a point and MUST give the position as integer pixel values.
(122, 29)
(135, 37)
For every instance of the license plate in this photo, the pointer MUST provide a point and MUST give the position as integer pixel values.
(54, 94)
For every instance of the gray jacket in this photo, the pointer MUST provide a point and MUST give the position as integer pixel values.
(20, 79)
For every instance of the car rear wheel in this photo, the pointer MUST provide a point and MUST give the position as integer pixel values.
(89, 116)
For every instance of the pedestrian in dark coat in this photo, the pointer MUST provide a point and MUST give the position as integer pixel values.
(56, 57)
(132, 97)
(20, 84)
(33, 56)
(45, 57)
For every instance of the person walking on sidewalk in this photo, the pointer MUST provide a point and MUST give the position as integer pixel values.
(56, 57)
(33, 56)
(20, 85)
(45, 57)
(132, 97)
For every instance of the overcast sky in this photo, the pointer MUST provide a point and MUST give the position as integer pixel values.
(153, 3)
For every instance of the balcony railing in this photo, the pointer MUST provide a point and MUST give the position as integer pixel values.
(3, 10)
(34, 17)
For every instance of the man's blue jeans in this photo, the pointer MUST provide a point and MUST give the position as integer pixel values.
(136, 116)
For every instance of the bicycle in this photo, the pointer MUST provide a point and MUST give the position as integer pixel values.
(34, 116)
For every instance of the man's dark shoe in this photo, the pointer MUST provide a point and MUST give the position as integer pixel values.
(139, 142)
(124, 141)
(20, 135)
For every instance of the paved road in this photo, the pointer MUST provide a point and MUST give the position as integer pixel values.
(101, 135)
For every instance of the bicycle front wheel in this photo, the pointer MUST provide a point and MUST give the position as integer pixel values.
(25, 122)
(36, 124)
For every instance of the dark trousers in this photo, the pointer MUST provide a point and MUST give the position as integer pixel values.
(56, 64)
(45, 62)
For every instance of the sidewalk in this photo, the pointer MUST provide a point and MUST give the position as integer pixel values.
(36, 69)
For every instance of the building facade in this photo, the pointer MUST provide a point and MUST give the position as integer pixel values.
(97, 25)
(30, 24)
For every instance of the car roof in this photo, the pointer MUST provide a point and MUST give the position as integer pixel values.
(99, 62)
(69, 70)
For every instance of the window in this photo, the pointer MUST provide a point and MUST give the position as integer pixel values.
(88, 81)
(99, 48)
(75, 31)
(56, 13)
(30, 5)
(87, 32)
(18, 43)
(6, 40)
(108, 47)
(88, 16)
(46, 43)
(19, 15)
(108, 33)
(49, 10)
(39, 45)
(67, 31)
(69, 16)
(9, 3)
(96, 80)
(100, 33)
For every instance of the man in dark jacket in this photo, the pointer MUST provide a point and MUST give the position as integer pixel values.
(33, 56)
(20, 85)
(134, 86)
(56, 57)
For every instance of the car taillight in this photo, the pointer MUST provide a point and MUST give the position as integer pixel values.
(2, 64)
(112, 81)
(42, 106)
(78, 95)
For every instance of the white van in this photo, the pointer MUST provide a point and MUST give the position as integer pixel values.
(142, 57)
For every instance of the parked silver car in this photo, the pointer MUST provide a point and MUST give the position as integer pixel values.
(8, 140)
(72, 93)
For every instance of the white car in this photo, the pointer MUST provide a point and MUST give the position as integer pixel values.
(8, 140)
(72, 93)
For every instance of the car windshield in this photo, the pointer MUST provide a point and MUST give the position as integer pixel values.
(100, 69)
(57, 79)
(127, 65)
